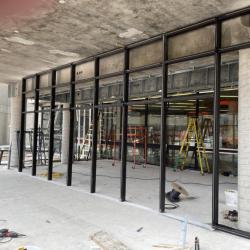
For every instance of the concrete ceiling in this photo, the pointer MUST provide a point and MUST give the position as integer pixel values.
(39, 34)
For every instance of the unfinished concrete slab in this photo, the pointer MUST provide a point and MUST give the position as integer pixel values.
(143, 187)
(54, 216)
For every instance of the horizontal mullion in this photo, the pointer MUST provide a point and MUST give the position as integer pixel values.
(234, 47)
(190, 57)
(231, 230)
(119, 73)
(188, 97)
(144, 67)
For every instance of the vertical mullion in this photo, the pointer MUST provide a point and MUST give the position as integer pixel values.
(22, 127)
(35, 127)
(52, 119)
(163, 126)
(95, 128)
(216, 126)
(71, 125)
(124, 125)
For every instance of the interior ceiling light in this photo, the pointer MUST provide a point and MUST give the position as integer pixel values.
(229, 96)
(62, 1)
(16, 39)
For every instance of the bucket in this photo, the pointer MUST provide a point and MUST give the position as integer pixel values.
(231, 196)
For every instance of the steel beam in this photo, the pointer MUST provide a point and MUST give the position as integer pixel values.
(21, 145)
(35, 126)
(216, 127)
(124, 126)
(71, 125)
(95, 128)
(51, 129)
(163, 139)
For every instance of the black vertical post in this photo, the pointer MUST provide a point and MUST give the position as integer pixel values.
(124, 126)
(35, 127)
(51, 129)
(197, 110)
(95, 128)
(120, 137)
(163, 139)
(146, 131)
(216, 126)
(22, 127)
(71, 125)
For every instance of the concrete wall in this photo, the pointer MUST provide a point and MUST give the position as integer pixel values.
(65, 134)
(244, 141)
(15, 123)
(4, 114)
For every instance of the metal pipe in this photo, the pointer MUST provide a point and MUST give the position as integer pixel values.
(95, 128)
(71, 126)
(51, 129)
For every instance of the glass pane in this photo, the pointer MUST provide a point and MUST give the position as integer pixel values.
(85, 70)
(111, 64)
(146, 54)
(43, 141)
(109, 151)
(236, 31)
(30, 102)
(62, 96)
(45, 81)
(110, 89)
(28, 137)
(44, 99)
(82, 145)
(30, 84)
(84, 92)
(189, 161)
(63, 76)
(191, 76)
(143, 154)
(192, 42)
(145, 84)
(229, 205)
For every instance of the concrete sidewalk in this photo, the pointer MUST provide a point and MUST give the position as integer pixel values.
(56, 217)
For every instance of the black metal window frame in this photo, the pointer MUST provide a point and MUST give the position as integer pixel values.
(216, 52)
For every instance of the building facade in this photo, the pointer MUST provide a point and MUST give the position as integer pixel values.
(134, 104)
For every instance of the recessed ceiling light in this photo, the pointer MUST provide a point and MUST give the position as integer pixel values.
(62, 1)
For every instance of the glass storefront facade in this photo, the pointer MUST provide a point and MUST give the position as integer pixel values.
(134, 106)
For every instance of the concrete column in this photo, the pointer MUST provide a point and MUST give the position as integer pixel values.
(65, 135)
(244, 141)
(15, 122)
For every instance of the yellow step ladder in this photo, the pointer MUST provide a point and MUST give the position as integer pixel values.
(194, 132)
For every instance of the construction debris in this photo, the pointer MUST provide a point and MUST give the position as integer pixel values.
(170, 247)
(55, 175)
(107, 241)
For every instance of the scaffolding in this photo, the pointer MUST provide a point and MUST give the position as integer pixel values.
(138, 136)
